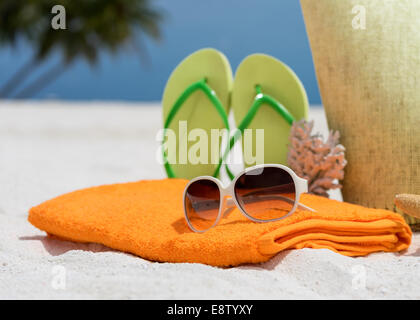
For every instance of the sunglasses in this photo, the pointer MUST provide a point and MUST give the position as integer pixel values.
(263, 193)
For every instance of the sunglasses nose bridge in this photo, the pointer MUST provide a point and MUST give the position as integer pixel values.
(228, 202)
(227, 206)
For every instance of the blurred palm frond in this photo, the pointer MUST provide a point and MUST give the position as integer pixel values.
(92, 26)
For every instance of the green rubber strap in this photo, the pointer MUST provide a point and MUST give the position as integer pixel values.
(229, 173)
(259, 100)
(211, 94)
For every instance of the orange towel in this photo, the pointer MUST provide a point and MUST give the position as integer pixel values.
(146, 218)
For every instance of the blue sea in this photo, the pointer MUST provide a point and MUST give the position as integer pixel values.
(236, 27)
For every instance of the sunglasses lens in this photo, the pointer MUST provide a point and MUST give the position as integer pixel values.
(202, 203)
(266, 194)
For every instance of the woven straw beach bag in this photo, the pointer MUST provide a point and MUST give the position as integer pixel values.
(367, 61)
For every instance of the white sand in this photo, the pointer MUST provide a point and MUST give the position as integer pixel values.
(49, 148)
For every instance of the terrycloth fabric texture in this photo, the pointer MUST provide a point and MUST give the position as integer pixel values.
(146, 218)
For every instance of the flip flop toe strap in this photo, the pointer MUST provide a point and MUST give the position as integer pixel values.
(260, 99)
(212, 96)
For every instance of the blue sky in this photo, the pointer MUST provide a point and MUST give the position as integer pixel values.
(236, 27)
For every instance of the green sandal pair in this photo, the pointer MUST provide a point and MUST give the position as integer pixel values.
(199, 95)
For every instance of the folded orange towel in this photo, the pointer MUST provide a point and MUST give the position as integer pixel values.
(146, 218)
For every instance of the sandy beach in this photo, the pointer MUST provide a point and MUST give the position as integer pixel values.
(48, 148)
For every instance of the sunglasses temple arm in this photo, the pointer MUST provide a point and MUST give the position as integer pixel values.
(256, 199)
(304, 189)
(274, 188)
(302, 206)
(230, 205)
(305, 207)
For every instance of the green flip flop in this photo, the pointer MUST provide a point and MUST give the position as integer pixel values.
(267, 95)
(196, 96)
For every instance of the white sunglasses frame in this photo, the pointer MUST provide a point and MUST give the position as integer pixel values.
(301, 186)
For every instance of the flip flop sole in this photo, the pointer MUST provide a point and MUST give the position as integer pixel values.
(279, 81)
(198, 111)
